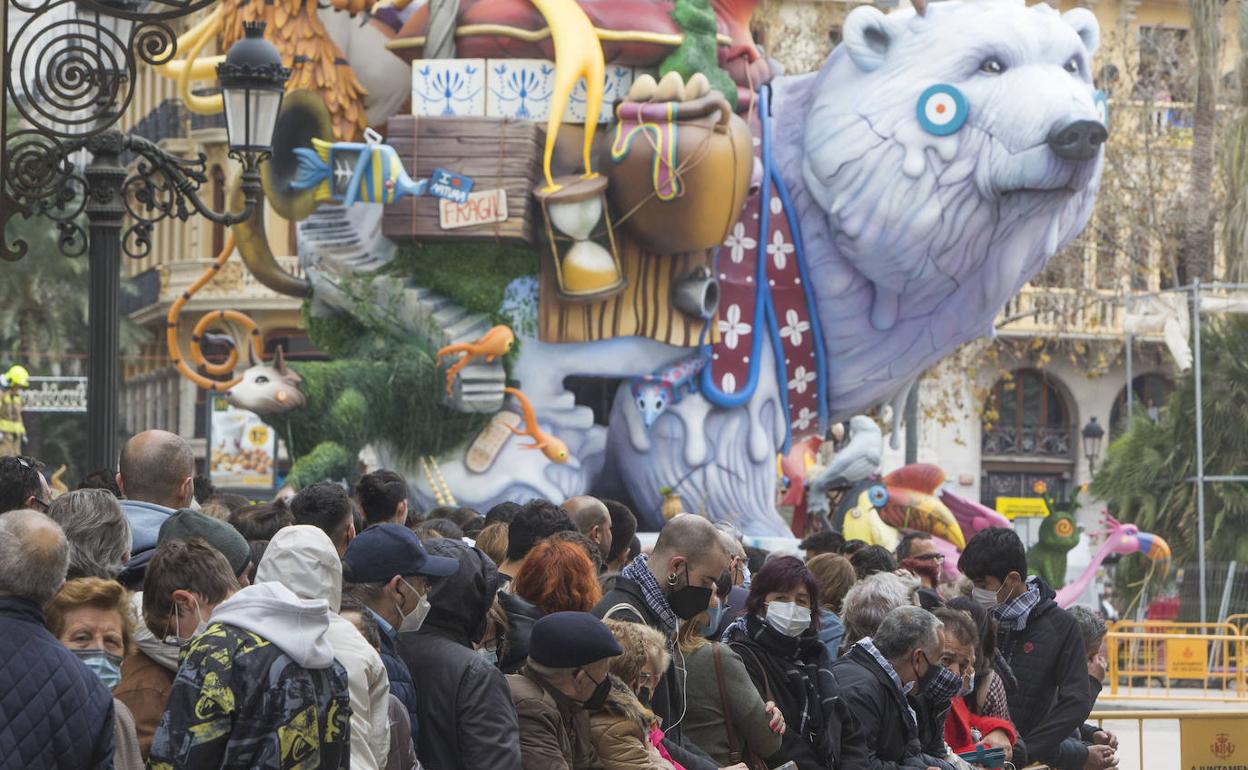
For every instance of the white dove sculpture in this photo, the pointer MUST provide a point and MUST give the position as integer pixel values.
(857, 460)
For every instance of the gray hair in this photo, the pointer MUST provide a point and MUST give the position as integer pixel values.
(1091, 627)
(870, 600)
(906, 629)
(34, 555)
(98, 532)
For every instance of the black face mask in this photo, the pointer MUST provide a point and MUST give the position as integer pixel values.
(689, 601)
(929, 675)
(645, 694)
(598, 698)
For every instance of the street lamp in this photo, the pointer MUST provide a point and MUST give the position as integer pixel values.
(82, 87)
(1093, 434)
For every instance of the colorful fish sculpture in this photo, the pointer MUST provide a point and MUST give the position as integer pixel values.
(350, 172)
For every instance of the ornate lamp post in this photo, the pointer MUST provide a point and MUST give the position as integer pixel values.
(70, 77)
(1092, 433)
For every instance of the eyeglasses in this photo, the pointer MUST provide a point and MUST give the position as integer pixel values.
(929, 557)
(644, 677)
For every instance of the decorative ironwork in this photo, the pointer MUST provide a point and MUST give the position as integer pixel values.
(1007, 440)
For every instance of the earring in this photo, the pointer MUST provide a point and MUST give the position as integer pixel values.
(942, 109)
(671, 578)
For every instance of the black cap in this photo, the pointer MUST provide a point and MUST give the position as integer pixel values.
(385, 550)
(571, 639)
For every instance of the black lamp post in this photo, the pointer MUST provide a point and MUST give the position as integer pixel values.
(70, 101)
(1093, 434)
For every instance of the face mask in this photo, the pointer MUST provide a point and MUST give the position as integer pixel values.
(490, 654)
(598, 698)
(968, 686)
(788, 618)
(745, 570)
(644, 694)
(413, 620)
(103, 664)
(984, 597)
(172, 639)
(689, 601)
(942, 684)
(713, 616)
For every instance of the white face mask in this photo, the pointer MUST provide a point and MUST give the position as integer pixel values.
(984, 597)
(788, 618)
(172, 639)
(413, 620)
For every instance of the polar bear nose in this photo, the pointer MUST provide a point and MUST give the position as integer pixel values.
(1080, 140)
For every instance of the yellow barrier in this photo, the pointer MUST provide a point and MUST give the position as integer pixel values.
(1206, 738)
(1154, 659)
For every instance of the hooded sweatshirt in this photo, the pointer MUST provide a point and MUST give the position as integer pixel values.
(264, 646)
(303, 559)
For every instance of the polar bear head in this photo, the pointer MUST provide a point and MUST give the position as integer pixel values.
(934, 145)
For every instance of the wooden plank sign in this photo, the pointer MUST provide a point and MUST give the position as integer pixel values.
(496, 153)
(481, 208)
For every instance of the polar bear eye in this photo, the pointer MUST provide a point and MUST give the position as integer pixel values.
(992, 66)
(1072, 66)
(261, 379)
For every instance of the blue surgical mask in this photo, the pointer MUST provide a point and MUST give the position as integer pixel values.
(103, 664)
(490, 654)
(713, 616)
(745, 571)
(968, 686)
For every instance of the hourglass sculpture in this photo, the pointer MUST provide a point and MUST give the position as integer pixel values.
(585, 271)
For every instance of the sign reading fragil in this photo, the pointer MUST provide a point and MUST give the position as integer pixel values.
(55, 394)
(481, 208)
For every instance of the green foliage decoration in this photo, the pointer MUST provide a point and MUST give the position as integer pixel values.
(1145, 477)
(699, 48)
(473, 275)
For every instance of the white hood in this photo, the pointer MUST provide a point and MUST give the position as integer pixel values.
(165, 654)
(303, 558)
(297, 627)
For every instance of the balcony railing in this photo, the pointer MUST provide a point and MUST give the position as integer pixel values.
(1031, 443)
(165, 283)
(1044, 310)
(166, 121)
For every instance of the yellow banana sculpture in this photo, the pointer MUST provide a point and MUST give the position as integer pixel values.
(912, 509)
(577, 54)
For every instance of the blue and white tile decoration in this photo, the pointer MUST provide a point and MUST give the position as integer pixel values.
(617, 82)
(519, 88)
(449, 87)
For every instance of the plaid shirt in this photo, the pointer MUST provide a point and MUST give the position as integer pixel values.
(869, 646)
(1013, 614)
(638, 571)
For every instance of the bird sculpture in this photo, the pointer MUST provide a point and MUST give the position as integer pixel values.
(856, 461)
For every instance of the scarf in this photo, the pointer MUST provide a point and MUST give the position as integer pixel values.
(638, 571)
(1013, 614)
(797, 670)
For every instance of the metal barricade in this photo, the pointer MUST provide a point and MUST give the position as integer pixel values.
(1161, 739)
(1182, 661)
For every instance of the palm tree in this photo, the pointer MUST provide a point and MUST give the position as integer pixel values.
(1147, 476)
(1196, 249)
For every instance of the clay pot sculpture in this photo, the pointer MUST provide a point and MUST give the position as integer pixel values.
(679, 170)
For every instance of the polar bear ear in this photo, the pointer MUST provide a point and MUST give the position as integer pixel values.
(868, 35)
(1085, 25)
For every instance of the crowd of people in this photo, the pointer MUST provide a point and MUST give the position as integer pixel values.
(147, 621)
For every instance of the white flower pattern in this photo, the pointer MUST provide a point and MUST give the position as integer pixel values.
(738, 243)
(729, 383)
(804, 419)
(801, 378)
(794, 327)
(779, 250)
(732, 327)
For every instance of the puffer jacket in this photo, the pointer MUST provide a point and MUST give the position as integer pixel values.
(554, 731)
(401, 684)
(620, 732)
(304, 559)
(467, 721)
(54, 712)
(1051, 697)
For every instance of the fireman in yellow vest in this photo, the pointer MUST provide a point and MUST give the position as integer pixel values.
(12, 430)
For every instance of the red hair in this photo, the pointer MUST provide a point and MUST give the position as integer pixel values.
(558, 575)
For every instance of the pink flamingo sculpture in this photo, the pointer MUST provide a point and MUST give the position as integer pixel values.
(1121, 539)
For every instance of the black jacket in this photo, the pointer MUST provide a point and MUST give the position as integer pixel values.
(626, 602)
(1072, 752)
(467, 720)
(1050, 665)
(521, 616)
(54, 713)
(401, 684)
(891, 741)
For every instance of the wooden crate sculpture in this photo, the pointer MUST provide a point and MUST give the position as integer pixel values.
(496, 153)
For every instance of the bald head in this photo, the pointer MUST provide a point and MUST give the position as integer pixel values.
(157, 467)
(34, 556)
(591, 517)
(692, 543)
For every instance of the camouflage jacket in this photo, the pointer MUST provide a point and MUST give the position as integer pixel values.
(240, 702)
